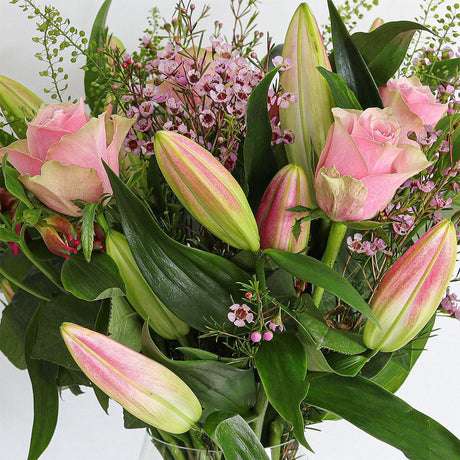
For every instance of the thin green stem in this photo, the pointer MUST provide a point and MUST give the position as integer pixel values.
(176, 452)
(260, 271)
(276, 433)
(334, 243)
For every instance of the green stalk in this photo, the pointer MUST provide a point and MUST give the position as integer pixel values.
(260, 270)
(334, 243)
(176, 452)
(260, 409)
(276, 433)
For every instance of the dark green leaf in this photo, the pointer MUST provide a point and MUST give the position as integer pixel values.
(94, 280)
(259, 161)
(124, 326)
(217, 385)
(276, 50)
(72, 378)
(43, 377)
(343, 96)
(281, 285)
(365, 224)
(312, 270)
(281, 364)
(443, 71)
(102, 398)
(384, 416)
(350, 64)
(87, 229)
(196, 286)
(385, 48)
(131, 422)
(12, 183)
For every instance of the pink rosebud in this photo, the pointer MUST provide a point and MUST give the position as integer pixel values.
(289, 188)
(207, 189)
(256, 336)
(60, 161)
(412, 289)
(413, 104)
(362, 165)
(145, 388)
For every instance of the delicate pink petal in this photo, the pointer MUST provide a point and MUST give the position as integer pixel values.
(19, 157)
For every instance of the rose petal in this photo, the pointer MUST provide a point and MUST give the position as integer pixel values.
(19, 157)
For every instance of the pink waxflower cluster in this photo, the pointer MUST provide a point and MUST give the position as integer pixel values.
(369, 248)
(451, 304)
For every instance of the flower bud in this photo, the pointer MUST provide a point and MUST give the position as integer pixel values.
(311, 117)
(145, 388)
(207, 190)
(412, 289)
(59, 235)
(138, 292)
(17, 103)
(289, 188)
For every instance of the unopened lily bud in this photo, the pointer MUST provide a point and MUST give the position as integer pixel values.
(289, 188)
(17, 104)
(376, 24)
(138, 292)
(59, 235)
(412, 289)
(145, 388)
(311, 117)
(207, 190)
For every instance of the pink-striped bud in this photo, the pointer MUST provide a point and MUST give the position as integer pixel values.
(59, 235)
(207, 190)
(289, 188)
(412, 289)
(145, 388)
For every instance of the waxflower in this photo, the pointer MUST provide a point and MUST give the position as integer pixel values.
(60, 161)
(412, 289)
(240, 315)
(289, 188)
(413, 104)
(145, 388)
(207, 190)
(138, 292)
(362, 165)
(310, 118)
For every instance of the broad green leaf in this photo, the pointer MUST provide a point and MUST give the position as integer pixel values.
(350, 65)
(384, 416)
(12, 183)
(197, 353)
(49, 345)
(72, 378)
(259, 161)
(124, 326)
(196, 286)
(385, 48)
(281, 286)
(236, 439)
(343, 96)
(94, 95)
(217, 385)
(282, 364)
(43, 377)
(94, 280)
(442, 71)
(315, 272)
(87, 229)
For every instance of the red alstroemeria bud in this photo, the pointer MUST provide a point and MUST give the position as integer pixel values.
(59, 235)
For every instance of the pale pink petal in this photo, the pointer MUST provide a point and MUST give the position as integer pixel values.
(19, 157)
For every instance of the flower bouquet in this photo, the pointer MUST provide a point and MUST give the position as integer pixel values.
(233, 247)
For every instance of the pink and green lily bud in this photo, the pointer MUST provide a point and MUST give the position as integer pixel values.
(311, 117)
(376, 24)
(207, 190)
(289, 188)
(59, 235)
(412, 289)
(17, 104)
(145, 388)
(138, 292)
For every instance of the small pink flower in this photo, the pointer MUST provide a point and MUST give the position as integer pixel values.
(268, 335)
(240, 315)
(256, 336)
(207, 119)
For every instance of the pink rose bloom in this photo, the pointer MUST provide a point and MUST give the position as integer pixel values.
(362, 165)
(413, 104)
(60, 161)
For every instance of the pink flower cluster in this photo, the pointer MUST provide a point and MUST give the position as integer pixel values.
(451, 304)
(369, 248)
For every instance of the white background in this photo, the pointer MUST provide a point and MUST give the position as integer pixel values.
(84, 431)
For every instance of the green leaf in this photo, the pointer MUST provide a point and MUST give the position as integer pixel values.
(196, 286)
(275, 51)
(217, 385)
(384, 416)
(350, 65)
(94, 98)
(259, 161)
(94, 280)
(442, 71)
(312, 270)
(12, 183)
(124, 326)
(236, 439)
(365, 224)
(343, 96)
(281, 364)
(281, 286)
(87, 229)
(385, 48)
(43, 377)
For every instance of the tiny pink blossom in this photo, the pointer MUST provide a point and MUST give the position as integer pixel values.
(268, 335)
(256, 336)
(240, 315)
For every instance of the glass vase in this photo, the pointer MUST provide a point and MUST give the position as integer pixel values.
(156, 449)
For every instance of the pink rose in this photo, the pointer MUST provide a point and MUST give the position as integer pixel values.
(362, 164)
(60, 161)
(412, 104)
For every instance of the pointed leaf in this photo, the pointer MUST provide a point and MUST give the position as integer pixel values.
(87, 229)
(124, 325)
(384, 416)
(196, 286)
(12, 183)
(343, 96)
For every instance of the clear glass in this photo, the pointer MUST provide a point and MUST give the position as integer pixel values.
(155, 449)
